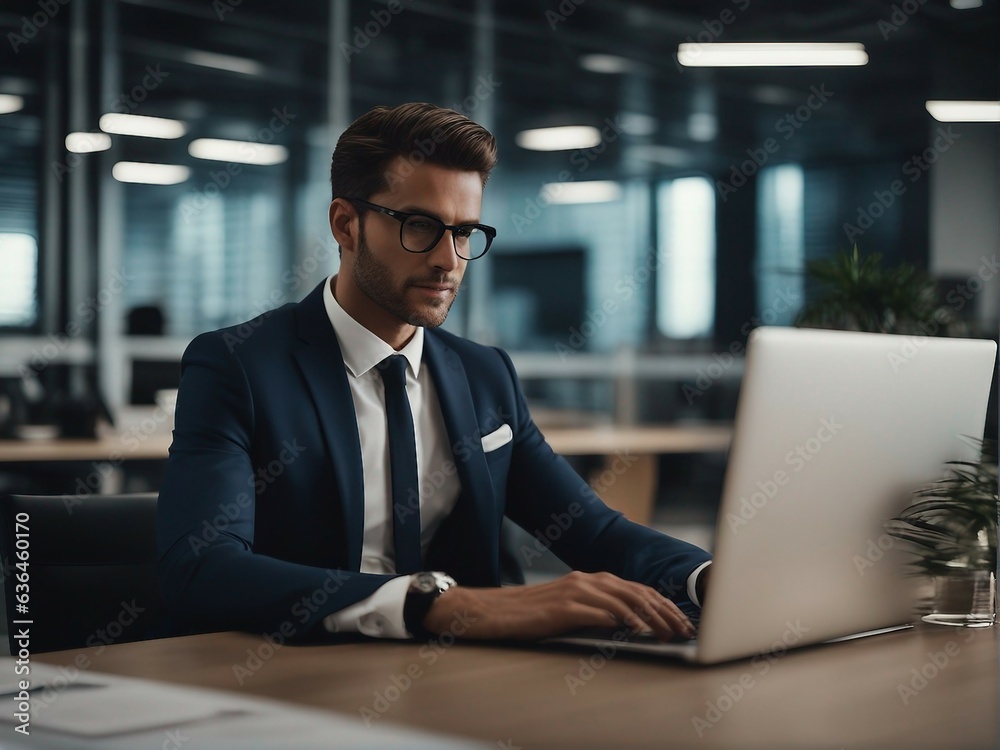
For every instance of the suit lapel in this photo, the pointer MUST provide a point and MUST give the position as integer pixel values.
(475, 511)
(322, 365)
(472, 524)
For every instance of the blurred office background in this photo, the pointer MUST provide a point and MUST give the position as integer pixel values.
(626, 268)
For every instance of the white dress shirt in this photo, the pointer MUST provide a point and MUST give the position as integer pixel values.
(381, 614)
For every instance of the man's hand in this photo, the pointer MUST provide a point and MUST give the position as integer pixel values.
(575, 600)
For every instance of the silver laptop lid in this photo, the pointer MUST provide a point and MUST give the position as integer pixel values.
(833, 431)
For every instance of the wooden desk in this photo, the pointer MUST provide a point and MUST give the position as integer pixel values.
(839, 696)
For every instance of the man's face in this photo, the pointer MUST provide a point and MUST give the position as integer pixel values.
(397, 280)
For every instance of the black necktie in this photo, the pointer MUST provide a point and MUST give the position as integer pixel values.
(403, 464)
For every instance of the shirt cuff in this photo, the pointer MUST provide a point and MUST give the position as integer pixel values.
(378, 616)
(693, 581)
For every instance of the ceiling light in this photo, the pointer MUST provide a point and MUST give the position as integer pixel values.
(702, 126)
(964, 111)
(87, 143)
(638, 124)
(223, 62)
(560, 138)
(149, 174)
(141, 125)
(693, 54)
(610, 64)
(10, 103)
(966, 4)
(665, 155)
(240, 152)
(594, 191)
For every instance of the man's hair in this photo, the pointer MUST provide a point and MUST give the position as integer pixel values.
(420, 133)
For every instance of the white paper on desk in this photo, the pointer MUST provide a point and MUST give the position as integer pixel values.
(106, 707)
(119, 709)
(42, 676)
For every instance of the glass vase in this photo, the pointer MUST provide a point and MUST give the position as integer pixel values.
(965, 598)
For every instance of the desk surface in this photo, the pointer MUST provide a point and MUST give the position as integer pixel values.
(879, 692)
(144, 441)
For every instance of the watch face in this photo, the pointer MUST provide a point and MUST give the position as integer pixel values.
(428, 582)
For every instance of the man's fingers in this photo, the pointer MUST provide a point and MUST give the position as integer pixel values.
(652, 607)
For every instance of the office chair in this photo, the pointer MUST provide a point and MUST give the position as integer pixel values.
(91, 569)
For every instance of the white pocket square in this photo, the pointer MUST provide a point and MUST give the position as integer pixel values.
(497, 438)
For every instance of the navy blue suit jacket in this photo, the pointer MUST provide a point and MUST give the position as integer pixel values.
(261, 513)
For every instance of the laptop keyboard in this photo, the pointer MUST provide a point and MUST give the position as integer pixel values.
(615, 634)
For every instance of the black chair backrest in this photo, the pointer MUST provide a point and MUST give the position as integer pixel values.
(91, 569)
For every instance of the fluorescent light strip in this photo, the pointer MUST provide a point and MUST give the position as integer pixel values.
(149, 174)
(608, 64)
(87, 143)
(594, 191)
(561, 138)
(964, 111)
(141, 125)
(771, 54)
(224, 62)
(240, 152)
(10, 103)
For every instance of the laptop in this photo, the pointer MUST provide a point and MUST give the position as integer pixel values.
(833, 432)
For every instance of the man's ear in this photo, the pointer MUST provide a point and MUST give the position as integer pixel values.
(344, 223)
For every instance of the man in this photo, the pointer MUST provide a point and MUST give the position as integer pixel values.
(343, 465)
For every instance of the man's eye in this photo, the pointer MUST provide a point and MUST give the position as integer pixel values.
(464, 232)
(420, 225)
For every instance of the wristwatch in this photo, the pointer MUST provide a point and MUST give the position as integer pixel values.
(424, 589)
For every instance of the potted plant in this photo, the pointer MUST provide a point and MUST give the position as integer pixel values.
(853, 293)
(951, 528)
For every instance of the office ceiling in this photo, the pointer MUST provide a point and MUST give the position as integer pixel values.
(428, 50)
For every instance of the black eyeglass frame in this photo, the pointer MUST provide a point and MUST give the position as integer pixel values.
(403, 216)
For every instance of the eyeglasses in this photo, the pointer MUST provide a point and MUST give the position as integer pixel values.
(419, 233)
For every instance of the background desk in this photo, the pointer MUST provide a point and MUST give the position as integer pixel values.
(841, 696)
(627, 480)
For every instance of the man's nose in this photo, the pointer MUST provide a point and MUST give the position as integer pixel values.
(443, 254)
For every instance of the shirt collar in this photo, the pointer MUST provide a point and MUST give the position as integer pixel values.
(361, 348)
